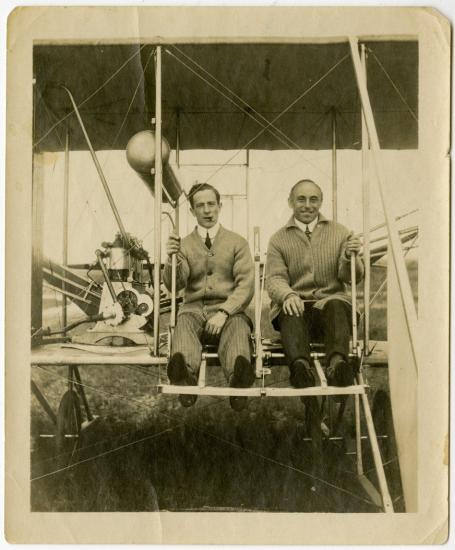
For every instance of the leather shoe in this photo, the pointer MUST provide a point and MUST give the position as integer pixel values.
(179, 375)
(301, 374)
(243, 377)
(339, 373)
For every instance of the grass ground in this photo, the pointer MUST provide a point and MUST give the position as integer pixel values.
(147, 453)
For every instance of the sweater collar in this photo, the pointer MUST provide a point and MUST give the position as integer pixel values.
(291, 222)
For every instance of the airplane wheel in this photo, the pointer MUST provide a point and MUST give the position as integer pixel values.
(69, 421)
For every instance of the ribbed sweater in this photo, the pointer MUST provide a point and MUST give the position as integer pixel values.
(222, 276)
(315, 269)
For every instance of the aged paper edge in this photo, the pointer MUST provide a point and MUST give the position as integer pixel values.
(27, 25)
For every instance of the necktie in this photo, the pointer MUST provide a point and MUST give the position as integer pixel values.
(208, 242)
(307, 233)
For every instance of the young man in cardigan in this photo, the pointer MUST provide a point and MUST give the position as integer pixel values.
(309, 259)
(215, 268)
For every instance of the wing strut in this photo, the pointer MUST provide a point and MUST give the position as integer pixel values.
(395, 242)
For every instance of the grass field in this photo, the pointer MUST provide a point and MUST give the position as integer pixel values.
(147, 453)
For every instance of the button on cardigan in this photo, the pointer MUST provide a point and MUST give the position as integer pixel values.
(315, 269)
(222, 276)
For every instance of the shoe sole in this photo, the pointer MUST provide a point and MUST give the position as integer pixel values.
(342, 376)
(304, 378)
(238, 402)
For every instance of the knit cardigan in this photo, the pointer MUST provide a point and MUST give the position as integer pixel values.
(222, 276)
(314, 269)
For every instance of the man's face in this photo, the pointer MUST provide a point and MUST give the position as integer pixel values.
(306, 200)
(206, 209)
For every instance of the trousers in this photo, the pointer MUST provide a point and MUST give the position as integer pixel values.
(330, 325)
(234, 340)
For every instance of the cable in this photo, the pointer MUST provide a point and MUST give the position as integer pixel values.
(301, 96)
(247, 108)
(91, 95)
(199, 430)
(414, 116)
(110, 451)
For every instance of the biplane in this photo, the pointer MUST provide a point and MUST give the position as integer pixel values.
(162, 99)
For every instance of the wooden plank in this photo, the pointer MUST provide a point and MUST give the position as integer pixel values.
(262, 391)
(157, 210)
(395, 242)
(37, 243)
(55, 354)
(366, 222)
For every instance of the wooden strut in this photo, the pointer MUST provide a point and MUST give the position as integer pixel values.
(257, 304)
(65, 222)
(99, 170)
(384, 490)
(395, 242)
(366, 224)
(43, 402)
(334, 166)
(158, 170)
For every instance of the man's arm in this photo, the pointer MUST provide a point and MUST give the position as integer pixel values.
(350, 245)
(277, 275)
(243, 273)
(183, 268)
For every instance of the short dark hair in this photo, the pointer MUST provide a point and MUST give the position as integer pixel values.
(202, 187)
(305, 180)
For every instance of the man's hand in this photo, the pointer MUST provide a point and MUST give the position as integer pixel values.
(215, 324)
(173, 244)
(353, 245)
(294, 305)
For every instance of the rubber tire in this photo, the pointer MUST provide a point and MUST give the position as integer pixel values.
(69, 422)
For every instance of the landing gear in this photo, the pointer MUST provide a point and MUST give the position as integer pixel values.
(69, 422)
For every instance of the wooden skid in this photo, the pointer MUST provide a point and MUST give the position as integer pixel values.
(262, 392)
(54, 354)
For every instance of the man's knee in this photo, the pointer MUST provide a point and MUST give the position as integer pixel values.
(237, 323)
(336, 306)
(186, 321)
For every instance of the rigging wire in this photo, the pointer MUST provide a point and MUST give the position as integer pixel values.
(105, 453)
(192, 427)
(395, 87)
(245, 110)
(270, 123)
(141, 79)
(301, 96)
(247, 107)
(90, 96)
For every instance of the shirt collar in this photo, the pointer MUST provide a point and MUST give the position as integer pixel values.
(295, 223)
(212, 231)
(303, 226)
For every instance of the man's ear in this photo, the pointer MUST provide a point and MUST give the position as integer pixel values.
(220, 205)
(291, 206)
(192, 212)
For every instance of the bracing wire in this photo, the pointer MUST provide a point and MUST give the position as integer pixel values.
(284, 111)
(141, 79)
(395, 87)
(200, 430)
(269, 124)
(91, 95)
(247, 107)
(110, 451)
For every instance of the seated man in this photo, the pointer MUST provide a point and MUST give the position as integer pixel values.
(309, 259)
(215, 268)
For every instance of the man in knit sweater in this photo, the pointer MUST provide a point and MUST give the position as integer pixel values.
(308, 265)
(215, 268)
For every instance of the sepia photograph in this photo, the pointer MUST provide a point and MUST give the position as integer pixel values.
(229, 291)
